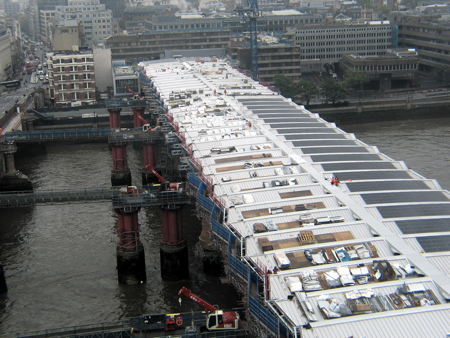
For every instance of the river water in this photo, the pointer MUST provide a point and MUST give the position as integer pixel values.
(60, 260)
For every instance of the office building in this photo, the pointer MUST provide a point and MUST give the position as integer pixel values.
(151, 45)
(94, 18)
(275, 57)
(430, 36)
(5, 54)
(125, 80)
(67, 36)
(395, 69)
(327, 44)
(72, 78)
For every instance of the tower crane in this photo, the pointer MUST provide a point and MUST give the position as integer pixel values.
(216, 319)
(249, 15)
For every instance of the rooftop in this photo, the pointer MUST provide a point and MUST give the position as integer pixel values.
(368, 255)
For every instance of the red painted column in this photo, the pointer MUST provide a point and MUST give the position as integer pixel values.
(128, 231)
(138, 117)
(172, 232)
(150, 151)
(114, 118)
(120, 173)
(173, 252)
(119, 156)
(130, 251)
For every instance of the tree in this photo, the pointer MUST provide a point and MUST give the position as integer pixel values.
(288, 88)
(332, 90)
(355, 80)
(307, 90)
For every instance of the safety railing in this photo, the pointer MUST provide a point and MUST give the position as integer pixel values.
(19, 199)
(116, 329)
(57, 135)
(146, 198)
(150, 199)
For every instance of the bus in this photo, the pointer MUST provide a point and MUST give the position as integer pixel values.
(10, 84)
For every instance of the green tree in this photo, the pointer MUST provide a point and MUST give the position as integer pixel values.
(288, 88)
(411, 4)
(355, 80)
(332, 91)
(307, 90)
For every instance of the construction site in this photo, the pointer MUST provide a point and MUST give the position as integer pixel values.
(322, 234)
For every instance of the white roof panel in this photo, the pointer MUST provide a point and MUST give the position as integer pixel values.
(214, 108)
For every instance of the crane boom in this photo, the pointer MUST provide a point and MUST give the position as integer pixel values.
(189, 294)
(249, 15)
(160, 178)
(253, 14)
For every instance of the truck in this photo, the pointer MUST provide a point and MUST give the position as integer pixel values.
(216, 320)
(157, 322)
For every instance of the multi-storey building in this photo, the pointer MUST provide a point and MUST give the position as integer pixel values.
(145, 19)
(95, 19)
(44, 18)
(430, 39)
(5, 54)
(275, 57)
(150, 45)
(325, 44)
(72, 77)
(125, 80)
(46, 21)
(67, 36)
(396, 69)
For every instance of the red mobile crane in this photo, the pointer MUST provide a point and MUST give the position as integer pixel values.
(217, 319)
(161, 179)
(136, 96)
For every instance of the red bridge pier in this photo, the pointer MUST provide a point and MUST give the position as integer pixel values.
(173, 252)
(120, 173)
(114, 117)
(138, 117)
(150, 150)
(130, 251)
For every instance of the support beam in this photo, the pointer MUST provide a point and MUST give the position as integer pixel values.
(120, 173)
(114, 118)
(130, 251)
(173, 252)
(138, 117)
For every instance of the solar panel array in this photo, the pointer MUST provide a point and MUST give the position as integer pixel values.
(417, 226)
(435, 243)
(360, 168)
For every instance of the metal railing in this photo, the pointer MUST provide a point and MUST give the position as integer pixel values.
(114, 329)
(58, 135)
(147, 197)
(113, 135)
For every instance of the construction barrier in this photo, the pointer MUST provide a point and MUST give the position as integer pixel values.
(238, 266)
(263, 314)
